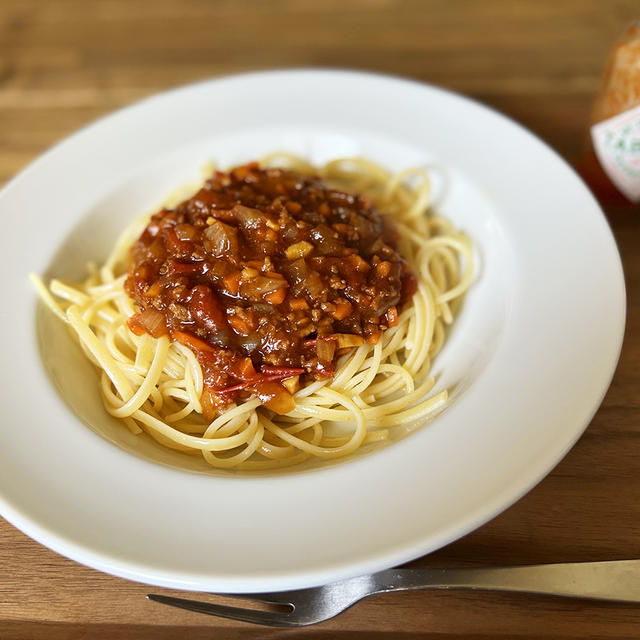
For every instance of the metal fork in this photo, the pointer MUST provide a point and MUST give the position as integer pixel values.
(617, 580)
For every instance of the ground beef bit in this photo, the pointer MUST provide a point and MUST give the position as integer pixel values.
(267, 274)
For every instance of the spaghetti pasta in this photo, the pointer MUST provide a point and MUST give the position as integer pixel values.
(155, 385)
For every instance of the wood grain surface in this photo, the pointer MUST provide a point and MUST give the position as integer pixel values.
(63, 63)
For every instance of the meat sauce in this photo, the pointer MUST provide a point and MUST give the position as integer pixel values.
(268, 276)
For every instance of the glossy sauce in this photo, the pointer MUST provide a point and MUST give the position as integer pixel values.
(267, 275)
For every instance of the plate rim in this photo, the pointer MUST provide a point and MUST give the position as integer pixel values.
(110, 565)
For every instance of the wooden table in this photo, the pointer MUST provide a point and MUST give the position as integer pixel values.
(65, 62)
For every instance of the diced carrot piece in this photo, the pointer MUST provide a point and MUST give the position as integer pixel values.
(293, 207)
(383, 269)
(191, 341)
(240, 173)
(324, 209)
(341, 228)
(244, 369)
(276, 297)
(392, 316)
(239, 325)
(359, 263)
(342, 310)
(232, 283)
(134, 326)
(298, 304)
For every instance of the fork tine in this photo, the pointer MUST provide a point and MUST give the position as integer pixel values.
(270, 618)
(282, 598)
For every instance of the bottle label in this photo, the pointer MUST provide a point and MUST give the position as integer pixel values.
(617, 144)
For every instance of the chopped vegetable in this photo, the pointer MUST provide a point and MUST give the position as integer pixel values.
(299, 250)
(267, 276)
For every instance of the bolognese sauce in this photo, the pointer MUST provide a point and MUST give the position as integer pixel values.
(267, 275)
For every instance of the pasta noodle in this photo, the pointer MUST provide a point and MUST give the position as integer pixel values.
(155, 385)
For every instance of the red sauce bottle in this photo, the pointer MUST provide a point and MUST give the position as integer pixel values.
(611, 161)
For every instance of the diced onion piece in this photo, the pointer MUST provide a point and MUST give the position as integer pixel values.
(249, 272)
(313, 284)
(256, 288)
(292, 384)
(297, 272)
(299, 250)
(275, 397)
(282, 403)
(325, 350)
(185, 231)
(220, 239)
(326, 240)
(152, 321)
(155, 289)
(247, 217)
(348, 340)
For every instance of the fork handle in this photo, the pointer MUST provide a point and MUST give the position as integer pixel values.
(616, 580)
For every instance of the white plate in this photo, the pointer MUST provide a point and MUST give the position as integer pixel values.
(530, 356)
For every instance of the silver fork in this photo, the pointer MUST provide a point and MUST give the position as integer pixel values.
(617, 580)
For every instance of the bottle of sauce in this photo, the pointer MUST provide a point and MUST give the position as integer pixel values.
(611, 163)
